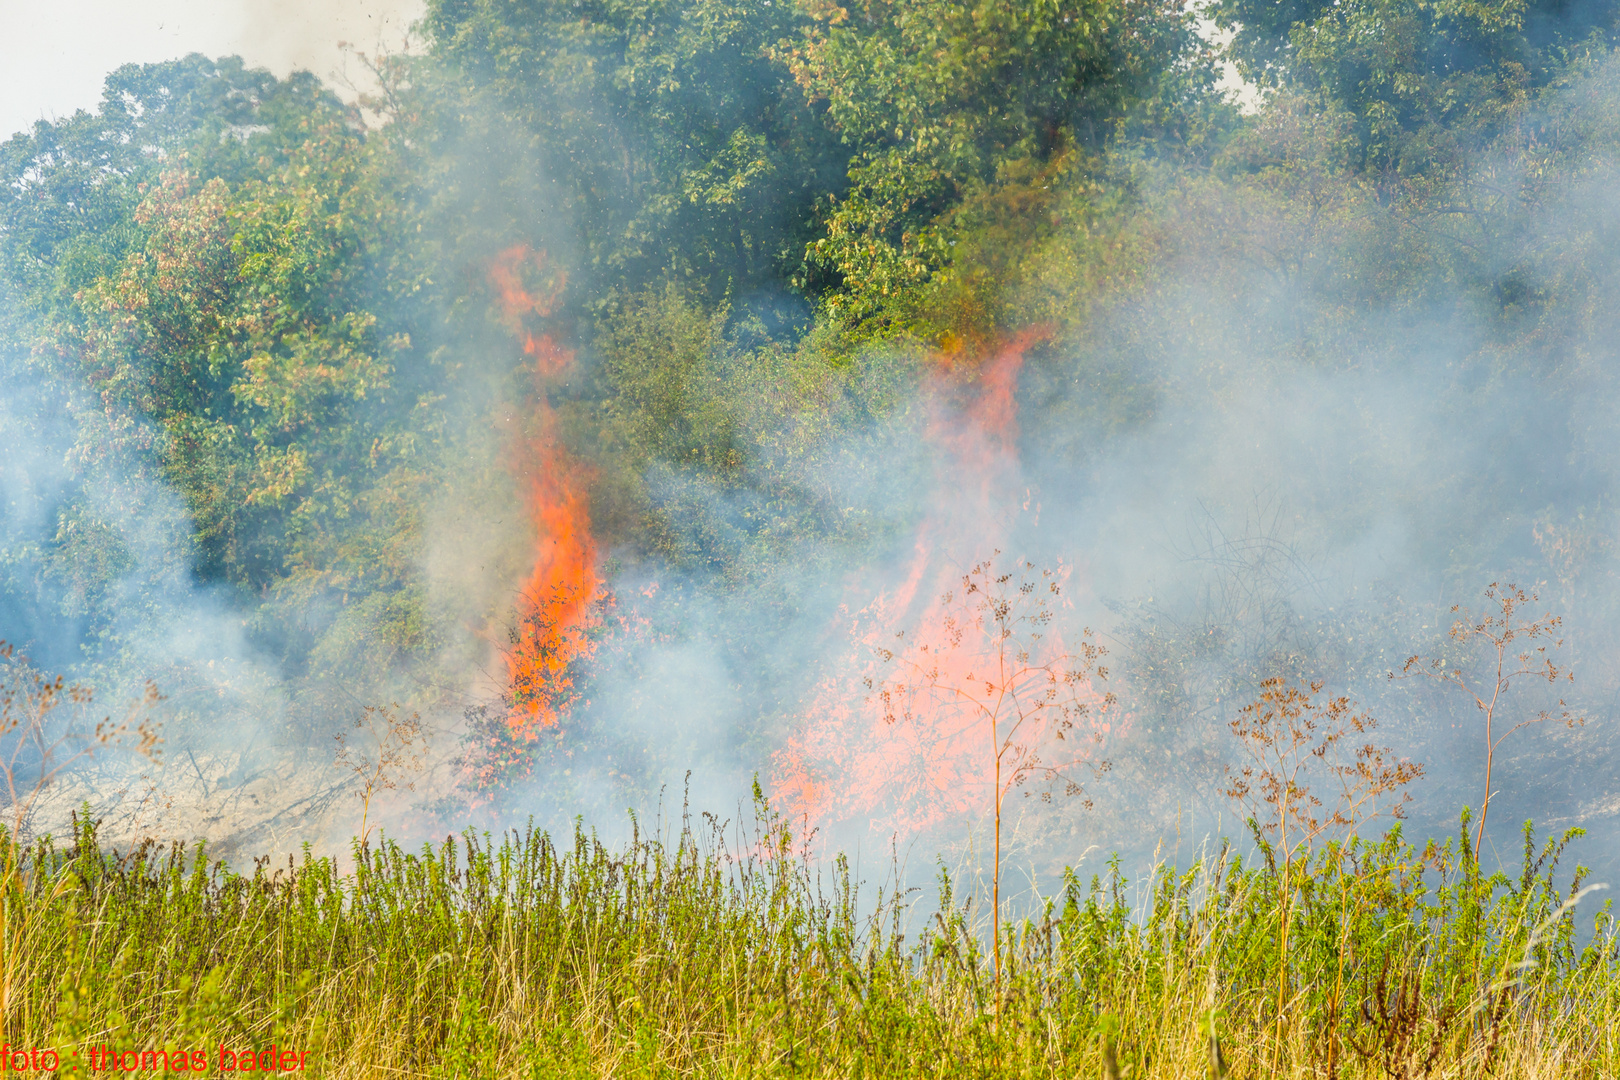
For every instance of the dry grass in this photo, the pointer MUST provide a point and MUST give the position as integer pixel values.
(518, 957)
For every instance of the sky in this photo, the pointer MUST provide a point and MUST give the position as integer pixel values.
(54, 54)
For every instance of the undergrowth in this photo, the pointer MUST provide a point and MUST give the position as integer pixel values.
(704, 953)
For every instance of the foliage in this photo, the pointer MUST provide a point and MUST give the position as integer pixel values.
(44, 732)
(719, 444)
(1293, 740)
(962, 115)
(671, 143)
(1425, 84)
(71, 186)
(222, 337)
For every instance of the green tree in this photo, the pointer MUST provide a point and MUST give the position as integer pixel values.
(71, 187)
(215, 278)
(669, 139)
(1427, 84)
(964, 117)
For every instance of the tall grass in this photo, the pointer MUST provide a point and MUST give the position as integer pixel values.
(518, 956)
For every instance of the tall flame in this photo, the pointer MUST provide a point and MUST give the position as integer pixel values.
(559, 599)
(845, 762)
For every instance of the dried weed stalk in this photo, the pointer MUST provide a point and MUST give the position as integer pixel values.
(1293, 740)
(396, 746)
(996, 662)
(37, 745)
(1511, 649)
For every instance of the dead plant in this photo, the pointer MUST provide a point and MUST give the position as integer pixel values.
(37, 745)
(395, 746)
(997, 662)
(1293, 741)
(1492, 639)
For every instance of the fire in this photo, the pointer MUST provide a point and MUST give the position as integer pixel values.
(560, 598)
(513, 273)
(907, 777)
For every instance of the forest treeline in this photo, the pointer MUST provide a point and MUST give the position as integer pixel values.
(760, 222)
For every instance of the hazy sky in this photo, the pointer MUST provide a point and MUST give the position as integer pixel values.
(55, 53)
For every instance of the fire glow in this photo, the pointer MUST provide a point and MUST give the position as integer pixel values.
(910, 776)
(558, 600)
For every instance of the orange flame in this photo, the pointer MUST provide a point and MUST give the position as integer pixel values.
(560, 597)
(846, 763)
(528, 286)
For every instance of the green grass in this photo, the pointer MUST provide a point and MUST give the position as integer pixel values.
(517, 956)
